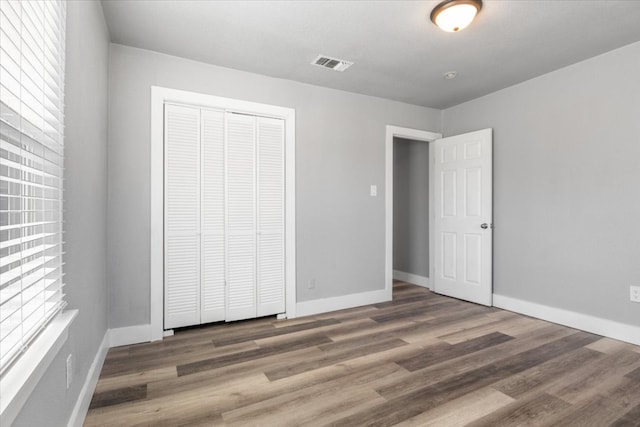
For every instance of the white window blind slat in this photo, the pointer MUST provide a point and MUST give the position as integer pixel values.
(31, 166)
(13, 258)
(28, 269)
(45, 288)
(14, 289)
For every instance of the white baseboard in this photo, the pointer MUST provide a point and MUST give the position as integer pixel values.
(86, 393)
(585, 322)
(307, 308)
(129, 335)
(412, 278)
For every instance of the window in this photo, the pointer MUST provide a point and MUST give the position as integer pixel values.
(32, 48)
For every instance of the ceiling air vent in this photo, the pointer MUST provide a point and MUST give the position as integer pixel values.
(332, 63)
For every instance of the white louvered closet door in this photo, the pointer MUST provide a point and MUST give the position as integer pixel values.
(241, 216)
(212, 304)
(270, 201)
(182, 216)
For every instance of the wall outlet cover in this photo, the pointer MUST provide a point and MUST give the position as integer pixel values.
(634, 293)
(69, 370)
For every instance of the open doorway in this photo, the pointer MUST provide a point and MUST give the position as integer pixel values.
(413, 211)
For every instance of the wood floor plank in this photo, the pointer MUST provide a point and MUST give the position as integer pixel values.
(119, 395)
(258, 353)
(333, 357)
(461, 411)
(253, 335)
(609, 345)
(135, 379)
(594, 378)
(425, 398)
(467, 363)
(523, 412)
(328, 331)
(630, 419)
(132, 363)
(422, 359)
(388, 329)
(441, 352)
(511, 325)
(446, 323)
(547, 373)
(194, 405)
(227, 374)
(602, 409)
(634, 375)
(309, 404)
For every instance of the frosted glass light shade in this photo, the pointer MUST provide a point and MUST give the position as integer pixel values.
(455, 15)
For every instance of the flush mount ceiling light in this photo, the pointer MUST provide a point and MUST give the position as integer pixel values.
(455, 15)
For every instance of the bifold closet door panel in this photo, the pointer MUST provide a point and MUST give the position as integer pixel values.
(241, 216)
(270, 201)
(212, 221)
(182, 216)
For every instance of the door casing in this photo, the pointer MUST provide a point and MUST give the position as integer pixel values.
(417, 135)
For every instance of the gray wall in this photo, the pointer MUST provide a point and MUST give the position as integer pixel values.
(339, 154)
(411, 206)
(566, 184)
(85, 213)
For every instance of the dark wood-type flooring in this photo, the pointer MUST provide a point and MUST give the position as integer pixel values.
(420, 360)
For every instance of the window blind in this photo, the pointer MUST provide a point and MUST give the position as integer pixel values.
(32, 49)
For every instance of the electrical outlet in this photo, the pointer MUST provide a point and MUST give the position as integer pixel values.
(634, 293)
(69, 370)
(312, 284)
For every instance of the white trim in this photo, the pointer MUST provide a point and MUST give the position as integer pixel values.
(412, 278)
(290, 214)
(418, 135)
(84, 399)
(156, 261)
(159, 96)
(585, 322)
(19, 380)
(324, 305)
(129, 335)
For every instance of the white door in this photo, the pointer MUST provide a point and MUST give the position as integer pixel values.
(463, 216)
(270, 195)
(182, 216)
(224, 216)
(241, 216)
(213, 270)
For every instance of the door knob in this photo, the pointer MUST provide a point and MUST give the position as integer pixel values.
(484, 226)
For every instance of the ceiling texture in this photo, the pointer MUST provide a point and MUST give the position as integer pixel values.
(398, 53)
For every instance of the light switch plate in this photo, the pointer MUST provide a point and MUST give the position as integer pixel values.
(374, 190)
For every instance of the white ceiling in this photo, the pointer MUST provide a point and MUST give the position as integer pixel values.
(398, 53)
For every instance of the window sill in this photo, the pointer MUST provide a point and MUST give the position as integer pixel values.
(19, 381)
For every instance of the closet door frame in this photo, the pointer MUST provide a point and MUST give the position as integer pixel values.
(160, 96)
